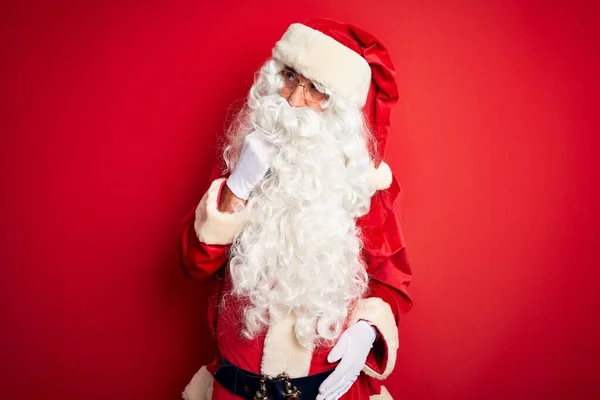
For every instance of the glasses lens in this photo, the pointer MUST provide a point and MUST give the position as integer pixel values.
(313, 94)
(290, 81)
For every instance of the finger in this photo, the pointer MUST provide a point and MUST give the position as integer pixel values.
(342, 370)
(251, 135)
(339, 349)
(338, 378)
(329, 385)
(332, 382)
(339, 392)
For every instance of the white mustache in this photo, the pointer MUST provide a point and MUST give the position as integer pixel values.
(277, 120)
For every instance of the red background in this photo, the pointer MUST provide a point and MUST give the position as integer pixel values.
(109, 116)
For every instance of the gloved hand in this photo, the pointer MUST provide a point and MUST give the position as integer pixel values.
(352, 348)
(255, 160)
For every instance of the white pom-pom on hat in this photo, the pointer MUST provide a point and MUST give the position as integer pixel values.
(380, 177)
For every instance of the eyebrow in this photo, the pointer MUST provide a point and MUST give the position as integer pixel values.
(298, 73)
(291, 69)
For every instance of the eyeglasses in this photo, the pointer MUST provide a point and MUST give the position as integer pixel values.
(291, 81)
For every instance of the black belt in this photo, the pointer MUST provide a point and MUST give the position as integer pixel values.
(252, 386)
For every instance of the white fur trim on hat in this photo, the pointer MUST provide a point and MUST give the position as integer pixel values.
(380, 177)
(213, 226)
(379, 314)
(326, 61)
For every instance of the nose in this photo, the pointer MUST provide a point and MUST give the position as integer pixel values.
(296, 98)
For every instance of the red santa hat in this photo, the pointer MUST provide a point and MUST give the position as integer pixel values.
(354, 65)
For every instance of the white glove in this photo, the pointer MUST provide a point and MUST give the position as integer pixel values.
(352, 348)
(255, 160)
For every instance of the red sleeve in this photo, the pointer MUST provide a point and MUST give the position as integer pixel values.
(384, 286)
(389, 274)
(200, 260)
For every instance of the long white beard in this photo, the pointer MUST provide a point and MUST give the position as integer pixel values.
(299, 251)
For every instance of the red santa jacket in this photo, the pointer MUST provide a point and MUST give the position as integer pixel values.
(206, 236)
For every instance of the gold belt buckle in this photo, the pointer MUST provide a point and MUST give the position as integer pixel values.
(261, 393)
(291, 392)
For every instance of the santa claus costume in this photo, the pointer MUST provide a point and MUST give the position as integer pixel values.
(319, 246)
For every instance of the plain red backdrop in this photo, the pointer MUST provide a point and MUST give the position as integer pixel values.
(109, 114)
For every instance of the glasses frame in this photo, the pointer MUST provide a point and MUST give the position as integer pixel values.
(304, 86)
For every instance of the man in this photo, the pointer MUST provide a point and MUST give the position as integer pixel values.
(299, 231)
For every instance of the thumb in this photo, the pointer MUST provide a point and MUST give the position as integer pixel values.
(338, 350)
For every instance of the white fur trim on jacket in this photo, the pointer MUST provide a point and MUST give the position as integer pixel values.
(379, 314)
(384, 395)
(326, 61)
(380, 177)
(283, 353)
(200, 387)
(213, 226)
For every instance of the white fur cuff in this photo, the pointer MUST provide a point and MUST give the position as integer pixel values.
(379, 314)
(326, 61)
(384, 395)
(200, 387)
(213, 226)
